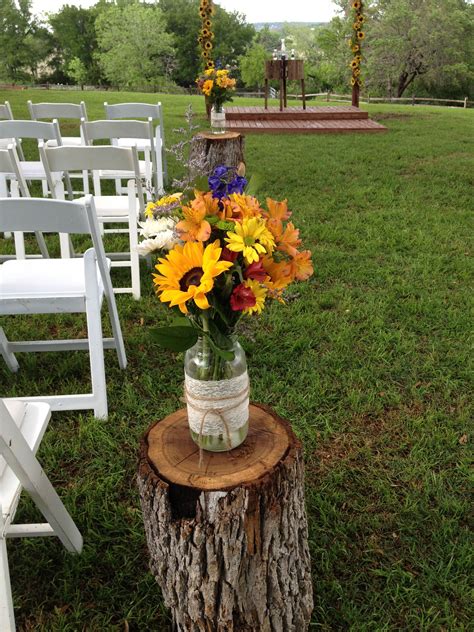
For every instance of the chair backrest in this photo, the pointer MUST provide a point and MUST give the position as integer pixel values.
(57, 216)
(6, 111)
(133, 110)
(57, 110)
(99, 130)
(31, 129)
(10, 164)
(59, 159)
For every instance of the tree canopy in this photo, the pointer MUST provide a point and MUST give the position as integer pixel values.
(425, 46)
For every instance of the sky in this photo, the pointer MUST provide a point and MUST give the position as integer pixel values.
(255, 10)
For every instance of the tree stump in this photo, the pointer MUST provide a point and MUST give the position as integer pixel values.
(228, 538)
(209, 151)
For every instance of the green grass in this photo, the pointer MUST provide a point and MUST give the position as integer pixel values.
(371, 361)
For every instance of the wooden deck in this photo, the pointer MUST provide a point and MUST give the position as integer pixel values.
(295, 120)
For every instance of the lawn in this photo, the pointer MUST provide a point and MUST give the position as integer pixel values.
(371, 361)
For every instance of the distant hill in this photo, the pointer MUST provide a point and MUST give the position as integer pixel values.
(277, 26)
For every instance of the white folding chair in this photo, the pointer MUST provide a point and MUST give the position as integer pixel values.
(137, 111)
(59, 111)
(33, 169)
(13, 184)
(111, 209)
(21, 429)
(52, 286)
(151, 169)
(6, 114)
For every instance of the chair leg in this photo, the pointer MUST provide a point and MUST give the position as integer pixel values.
(7, 355)
(133, 239)
(94, 335)
(7, 616)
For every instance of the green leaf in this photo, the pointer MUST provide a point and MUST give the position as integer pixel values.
(177, 338)
(181, 321)
(212, 219)
(220, 339)
(201, 184)
(254, 184)
(225, 355)
(225, 225)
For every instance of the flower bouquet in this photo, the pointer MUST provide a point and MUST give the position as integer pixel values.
(231, 257)
(217, 86)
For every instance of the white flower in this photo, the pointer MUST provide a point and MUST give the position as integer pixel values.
(152, 227)
(165, 240)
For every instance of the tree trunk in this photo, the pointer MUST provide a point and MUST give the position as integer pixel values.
(209, 151)
(228, 539)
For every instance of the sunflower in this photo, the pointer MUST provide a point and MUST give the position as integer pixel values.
(356, 72)
(208, 24)
(356, 26)
(208, 46)
(252, 238)
(361, 18)
(187, 273)
(354, 63)
(208, 84)
(260, 293)
(355, 48)
(356, 4)
(353, 81)
(360, 35)
(205, 33)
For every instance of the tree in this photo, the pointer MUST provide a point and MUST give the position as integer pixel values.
(75, 34)
(410, 39)
(268, 39)
(134, 48)
(232, 37)
(252, 66)
(77, 71)
(18, 54)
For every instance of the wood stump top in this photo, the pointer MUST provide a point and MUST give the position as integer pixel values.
(225, 136)
(175, 457)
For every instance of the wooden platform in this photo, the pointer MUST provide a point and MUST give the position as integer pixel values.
(295, 120)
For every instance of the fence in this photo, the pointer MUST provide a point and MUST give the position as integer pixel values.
(343, 98)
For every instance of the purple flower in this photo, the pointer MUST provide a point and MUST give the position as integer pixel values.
(237, 185)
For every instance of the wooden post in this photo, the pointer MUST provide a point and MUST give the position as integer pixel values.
(228, 538)
(266, 93)
(355, 95)
(465, 102)
(208, 151)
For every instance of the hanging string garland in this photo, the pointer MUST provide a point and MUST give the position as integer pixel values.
(206, 11)
(355, 42)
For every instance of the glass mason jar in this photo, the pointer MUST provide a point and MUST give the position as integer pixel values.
(217, 396)
(218, 119)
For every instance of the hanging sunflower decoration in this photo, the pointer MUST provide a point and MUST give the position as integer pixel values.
(206, 11)
(355, 41)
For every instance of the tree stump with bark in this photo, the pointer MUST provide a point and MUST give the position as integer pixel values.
(227, 532)
(209, 151)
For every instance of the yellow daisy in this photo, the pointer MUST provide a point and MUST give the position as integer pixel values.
(187, 273)
(252, 238)
(260, 293)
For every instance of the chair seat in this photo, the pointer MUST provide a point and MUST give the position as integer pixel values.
(33, 170)
(111, 205)
(123, 175)
(68, 141)
(32, 420)
(43, 278)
